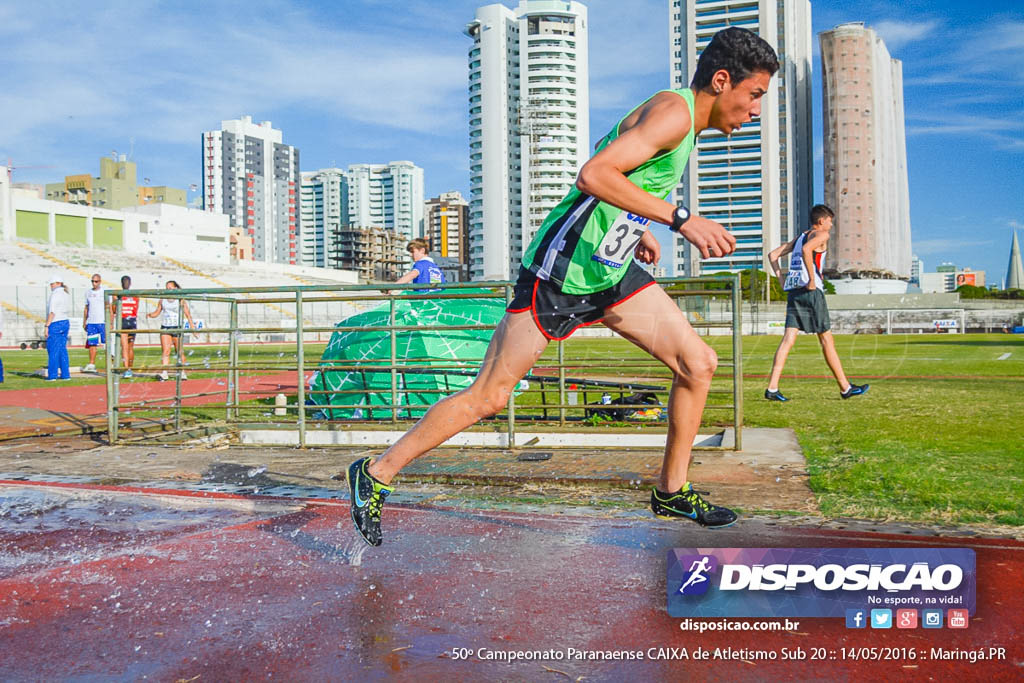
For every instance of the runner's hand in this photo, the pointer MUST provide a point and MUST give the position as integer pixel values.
(710, 238)
(649, 250)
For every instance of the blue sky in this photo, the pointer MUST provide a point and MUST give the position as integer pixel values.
(365, 81)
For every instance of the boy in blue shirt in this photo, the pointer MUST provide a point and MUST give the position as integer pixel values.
(424, 270)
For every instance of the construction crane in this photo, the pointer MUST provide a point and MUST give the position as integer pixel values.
(11, 167)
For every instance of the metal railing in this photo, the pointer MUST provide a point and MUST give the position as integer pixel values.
(559, 375)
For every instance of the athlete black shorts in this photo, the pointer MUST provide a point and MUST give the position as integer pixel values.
(558, 315)
(806, 310)
(130, 324)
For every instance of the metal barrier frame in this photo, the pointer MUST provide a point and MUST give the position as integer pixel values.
(298, 295)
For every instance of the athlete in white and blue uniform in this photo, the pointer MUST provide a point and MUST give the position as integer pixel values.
(806, 310)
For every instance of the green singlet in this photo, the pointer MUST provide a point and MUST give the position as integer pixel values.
(586, 245)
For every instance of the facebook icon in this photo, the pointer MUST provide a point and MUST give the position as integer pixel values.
(856, 618)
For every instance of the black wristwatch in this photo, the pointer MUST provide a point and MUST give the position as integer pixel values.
(679, 216)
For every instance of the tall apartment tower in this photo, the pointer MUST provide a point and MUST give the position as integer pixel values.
(529, 125)
(865, 162)
(251, 176)
(388, 196)
(324, 208)
(446, 223)
(758, 181)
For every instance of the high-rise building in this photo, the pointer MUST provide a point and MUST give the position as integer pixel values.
(324, 210)
(116, 188)
(445, 220)
(916, 268)
(758, 181)
(865, 160)
(1015, 269)
(250, 175)
(529, 125)
(388, 196)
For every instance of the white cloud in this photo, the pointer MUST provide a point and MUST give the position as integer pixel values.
(173, 74)
(896, 34)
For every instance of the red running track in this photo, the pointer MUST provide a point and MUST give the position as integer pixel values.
(91, 399)
(116, 584)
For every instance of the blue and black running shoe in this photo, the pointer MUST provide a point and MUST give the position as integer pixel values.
(855, 390)
(688, 503)
(366, 496)
(774, 395)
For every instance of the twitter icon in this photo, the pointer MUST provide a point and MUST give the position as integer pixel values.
(881, 618)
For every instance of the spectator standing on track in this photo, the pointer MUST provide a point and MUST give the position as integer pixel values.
(169, 320)
(58, 324)
(93, 321)
(129, 321)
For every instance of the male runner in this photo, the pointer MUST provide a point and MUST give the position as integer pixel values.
(805, 302)
(579, 269)
(93, 321)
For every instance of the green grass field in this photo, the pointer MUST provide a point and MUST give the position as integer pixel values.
(937, 438)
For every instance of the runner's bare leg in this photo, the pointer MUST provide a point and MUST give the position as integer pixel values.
(781, 354)
(652, 320)
(515, 347)
(828, 348)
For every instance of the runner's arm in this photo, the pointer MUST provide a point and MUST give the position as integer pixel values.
(778, 252)
(156, 311)
(814, 240)
(662, 125)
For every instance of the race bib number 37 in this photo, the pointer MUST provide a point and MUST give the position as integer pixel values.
(621, 239)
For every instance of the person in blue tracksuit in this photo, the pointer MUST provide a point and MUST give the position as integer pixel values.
(58, 310)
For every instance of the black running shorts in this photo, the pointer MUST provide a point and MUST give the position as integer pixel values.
(806, 310)
(130, 324)
(558, 315)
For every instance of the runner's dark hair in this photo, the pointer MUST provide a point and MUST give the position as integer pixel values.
(738, 51)
(820, 211)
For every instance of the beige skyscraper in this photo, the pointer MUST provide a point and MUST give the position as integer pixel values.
(865, 162)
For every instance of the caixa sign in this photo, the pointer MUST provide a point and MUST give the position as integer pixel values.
(815, 582)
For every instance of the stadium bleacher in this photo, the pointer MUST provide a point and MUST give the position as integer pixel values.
(28, 267)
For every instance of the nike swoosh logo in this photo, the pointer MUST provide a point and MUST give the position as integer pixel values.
(355, 492)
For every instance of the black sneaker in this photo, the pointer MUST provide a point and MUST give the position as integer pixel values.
(366, 495)
(774, 395)
(855, 390)
(688, 503)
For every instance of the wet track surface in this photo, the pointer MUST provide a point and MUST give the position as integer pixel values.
(111, 582)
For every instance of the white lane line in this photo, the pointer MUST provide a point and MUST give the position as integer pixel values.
(1004, 356)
